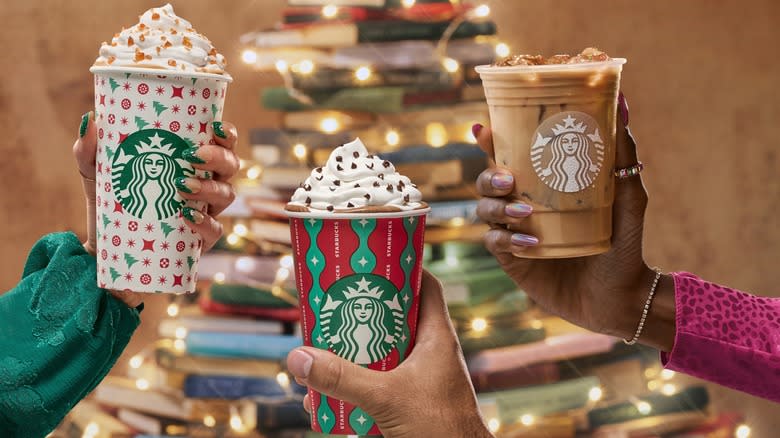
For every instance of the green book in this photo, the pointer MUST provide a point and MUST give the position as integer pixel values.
(239, 294)
(496, 337)
(374, 99)
(506, 309)
(395, 30)
(694, 398)
(331, 79)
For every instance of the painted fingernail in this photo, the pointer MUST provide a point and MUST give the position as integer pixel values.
(299, 363)
(188, 185)
(518, 209)
(502, 181)
(623, 108)
(476, 129)
(192, 215)
(193, 156)
(84, 124)
(524, 240)
(219, 131)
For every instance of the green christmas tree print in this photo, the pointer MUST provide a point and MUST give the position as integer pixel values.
(130, 260)
(114, 84)
(190, 261)
(115, 274)
(141, 123)
(166, 228)
(106, 220)
(159, 108)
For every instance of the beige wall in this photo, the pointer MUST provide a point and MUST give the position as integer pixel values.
(701, 81)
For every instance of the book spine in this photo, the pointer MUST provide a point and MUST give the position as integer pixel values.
(335, 79)
(473, 342)
(380, 31)
(240, 345)
(524, 376)
(539, 400)
(285, 415)
(690, 399)
(231, 388)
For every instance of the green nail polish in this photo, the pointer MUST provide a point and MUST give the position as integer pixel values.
(218, 130)
(84, 124)
(192, 215)
(181, 184)
(191, 155)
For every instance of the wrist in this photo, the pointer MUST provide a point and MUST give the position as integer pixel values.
(658, 330)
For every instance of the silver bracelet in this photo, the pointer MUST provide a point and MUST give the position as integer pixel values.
(646, 310)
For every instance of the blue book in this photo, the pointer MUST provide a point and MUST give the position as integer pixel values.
(287, 414)
(428, 154)
(235, 387)
(241, 345)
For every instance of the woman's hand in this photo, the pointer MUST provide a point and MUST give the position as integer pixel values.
(429, 394)
(219, 159)
(604, 293)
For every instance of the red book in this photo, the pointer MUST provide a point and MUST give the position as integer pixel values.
(536, 374)
(210, 306)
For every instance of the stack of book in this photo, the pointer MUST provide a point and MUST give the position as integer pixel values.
(217, 368)
(399, 75)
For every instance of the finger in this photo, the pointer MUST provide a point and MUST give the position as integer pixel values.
(86, 145)
(219, 195)
(216, 159)
(307, 403)
(225, 134)
(630, 188)
(210, 229)
(495, 183)
(495, 210)
(329, 374)
(131, 299)
(434, 316)
(502, 242)
(484, 137)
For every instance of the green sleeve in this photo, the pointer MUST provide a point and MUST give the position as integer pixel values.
(59, 336)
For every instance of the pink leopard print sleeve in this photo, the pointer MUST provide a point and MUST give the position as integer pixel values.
(726, 336)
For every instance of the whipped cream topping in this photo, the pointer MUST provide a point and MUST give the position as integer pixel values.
(354, 179)
(162, 40)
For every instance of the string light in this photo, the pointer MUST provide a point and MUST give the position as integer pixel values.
(249, 56)
(451, 261)
(240, 230)
(179, 345)
(136, 361)
(235, 420)
(667, 374)
(668, 389)
(245, 264)
(644, 407)
(392, 138)
(283, 379)
(502, 50)
(330, 11)
(209, 421)
(219, 277)
(494, 425)
(436, 134)
(651, 372)
(407, 3)
(286, 262)
(363, 73)
(173, 310)
(180, 333)
(450, 65)
(479, 325)
(92, 429)
(457, 222)
(469, 135)
(281, 66)
(653, 385)
(329, 125)
(595, 394)
(306, 66)
(233, 239)
(282, 274)
(254, 172)
(743, 431)
(299, 150)
(537, 324)
(142, 384)
(527, 420)
(482, 11)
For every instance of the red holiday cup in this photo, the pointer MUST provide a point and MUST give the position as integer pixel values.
(358, 277)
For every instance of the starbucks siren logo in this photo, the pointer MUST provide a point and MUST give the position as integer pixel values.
(143, 172)
(361, 318)
(568, 152)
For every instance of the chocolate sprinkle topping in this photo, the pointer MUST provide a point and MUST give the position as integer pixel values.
(400, 187)
(355, 154)
(307, 187)
(337, 182)
(354, 166)
(406, 198)
(318, 170)
(338, 158)
(330, 208)
(357, 185)
(349, 205)
(376, 183)
(332, 189)
(370, 157)
(308, 201)
(381, 176)
(370, 166)
(386, 163)
(338, 167)
(367, 196)
(319, 178)
(390, 188)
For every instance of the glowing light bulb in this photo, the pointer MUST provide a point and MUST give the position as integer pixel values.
(92, 429)
(209, 421)
(286, 262)
(644, 407)
(329, 125)
(502, 50)
(451, 261)
(451, 65)
(330, 11)
(219, 277)
(136, 361)
(173, 310)
(281, 66)
(249, 56)
(494, 425)
(537, 324)
(407, 3)
(392, 137)
(254, 172)
(180, 333)
(457, 222)
(233, 239)
(283, 379)
(469, 135)
(743, 431)
(482, 11)
(668, 389)
(245, 264)
(235, 421)
(527, 420)
(282, 274)
(241, 230)
(653, 385)
(142, 384)
(436, 134)
(667, 374)
(363, 73)
(595, 394)
(479, 324)
(306, 66)
(179, 345)
(299, 150)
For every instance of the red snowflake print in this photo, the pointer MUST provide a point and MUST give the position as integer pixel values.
(146, 261)
(141, 106)
(123, 120)
(105, 203)
(192, 110)
(111, 101)
(165, 246)
(157, 124)
(193, 92)
(179, 263)
(126, 104)
(189, 278)
(146, 279)
(117, 223)
(201, 143)
(100, 133)
(126, 86)
(107, 187)
(159, 90)
(190, 128)
(165, 263)
(180, 246)
(131, 243)
(204, 110)
(111, 119)
(128, 277)
(132, 226)
(104, 254)
(143, 88)
(105, 238)
(174, 126)
(175, 109)
(162, 280)
(103, 272)
(114, 257)
(103, 81)
(192, 245)
(206, 93)
(110, 135)
(181, 229)
(149, 228)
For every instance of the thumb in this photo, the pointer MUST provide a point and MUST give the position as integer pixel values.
(329, 374)
(85, 147)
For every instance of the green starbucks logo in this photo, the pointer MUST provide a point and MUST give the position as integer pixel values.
(144, 169)
(361, 318)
